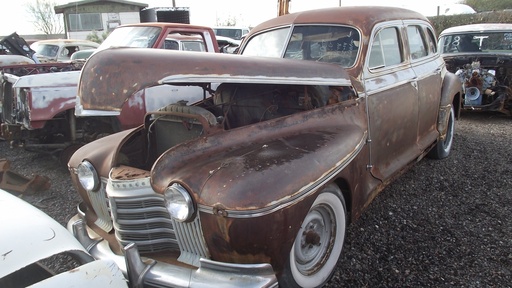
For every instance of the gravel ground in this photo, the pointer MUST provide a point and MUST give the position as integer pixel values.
(442, 224)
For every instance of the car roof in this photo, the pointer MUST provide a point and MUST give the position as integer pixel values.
(487, 27)
(163, 25)
(184, 37)
(364, 17)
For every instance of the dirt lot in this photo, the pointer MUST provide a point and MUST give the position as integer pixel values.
(442, 224)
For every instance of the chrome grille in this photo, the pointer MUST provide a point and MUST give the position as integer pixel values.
(138, 224)
(100, 205)
(139, 216)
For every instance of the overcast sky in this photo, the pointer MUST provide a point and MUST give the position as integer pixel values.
(14, 18)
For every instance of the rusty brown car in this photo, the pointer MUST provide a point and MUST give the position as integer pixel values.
(255, 184)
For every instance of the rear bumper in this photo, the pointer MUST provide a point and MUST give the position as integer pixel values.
(144, 272)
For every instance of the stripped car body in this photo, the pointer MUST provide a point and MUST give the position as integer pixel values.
(481, 55)
(38, 109)
(29, 236)
(254, 185)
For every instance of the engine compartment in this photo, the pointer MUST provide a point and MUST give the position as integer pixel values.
(486, 81)
(230, 106)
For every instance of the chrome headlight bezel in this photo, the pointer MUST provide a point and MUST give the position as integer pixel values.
(179, 203)
(88, 176)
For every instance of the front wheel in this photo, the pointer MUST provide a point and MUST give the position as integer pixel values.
(443, 147)
(319, 242)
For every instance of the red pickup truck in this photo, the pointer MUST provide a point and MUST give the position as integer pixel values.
(38, 110)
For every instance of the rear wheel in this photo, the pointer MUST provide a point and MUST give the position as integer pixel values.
(443, 147)
(319, 242)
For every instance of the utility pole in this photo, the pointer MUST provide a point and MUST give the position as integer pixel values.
(284, 6)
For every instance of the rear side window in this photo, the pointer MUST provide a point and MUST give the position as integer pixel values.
(386, 49)
(417, 45)
(431, 41)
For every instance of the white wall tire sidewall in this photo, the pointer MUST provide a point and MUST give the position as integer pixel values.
(449, 133)
(325, 272)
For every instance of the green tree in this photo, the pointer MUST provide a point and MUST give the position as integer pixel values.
(94, 37)
(488, 5)
(44, 17)
(230, 20)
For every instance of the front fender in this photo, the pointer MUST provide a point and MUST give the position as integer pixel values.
(267, 165)
(101, 153)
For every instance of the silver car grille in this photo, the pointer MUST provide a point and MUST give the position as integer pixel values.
(100, 205)
(139, 216)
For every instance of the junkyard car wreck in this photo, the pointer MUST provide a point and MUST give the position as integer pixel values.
(254, 185)
(481, 55)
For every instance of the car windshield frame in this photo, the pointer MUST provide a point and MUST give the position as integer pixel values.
(337, 44)
(48, 50)
(493, 42)
(132, 36)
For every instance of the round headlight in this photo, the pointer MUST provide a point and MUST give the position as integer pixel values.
(178, 202)
(88, 176)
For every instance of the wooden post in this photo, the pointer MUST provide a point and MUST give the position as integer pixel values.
(284, 6)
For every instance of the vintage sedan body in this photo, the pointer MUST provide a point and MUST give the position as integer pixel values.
(60, 50)
(255, 184)
(481, 55)
(30, 237)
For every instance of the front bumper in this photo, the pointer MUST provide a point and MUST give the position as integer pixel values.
(144, 272)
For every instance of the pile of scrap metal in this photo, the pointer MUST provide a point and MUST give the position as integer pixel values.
(14, 182)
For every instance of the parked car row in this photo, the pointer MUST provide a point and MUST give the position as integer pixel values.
(60, 50)
(38, 109)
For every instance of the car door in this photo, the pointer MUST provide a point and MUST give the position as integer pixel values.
(427, 65)
(392, 94)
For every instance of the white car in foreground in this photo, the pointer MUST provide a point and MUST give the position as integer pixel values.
(30, 238)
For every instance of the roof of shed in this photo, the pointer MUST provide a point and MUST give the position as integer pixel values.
(61, 8)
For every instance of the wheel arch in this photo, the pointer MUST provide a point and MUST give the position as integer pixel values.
(451, 94)
(346, 192)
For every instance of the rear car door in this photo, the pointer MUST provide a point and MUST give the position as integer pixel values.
(427, 66)
(392, 93)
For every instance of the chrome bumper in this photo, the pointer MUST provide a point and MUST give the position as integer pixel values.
(150, 273)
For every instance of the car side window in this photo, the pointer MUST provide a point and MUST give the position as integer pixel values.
(171, 45)
(68, 51)
(386, 49)
(432, 43)
(417, 46)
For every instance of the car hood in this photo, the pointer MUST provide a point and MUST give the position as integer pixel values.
(49, 80)
(111, 76)
(14, 60)
(245, 169)
(26, 228)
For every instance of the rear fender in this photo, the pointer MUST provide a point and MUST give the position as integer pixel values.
(450, 97)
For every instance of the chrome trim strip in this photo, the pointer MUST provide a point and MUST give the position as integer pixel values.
(305, 191)
(99, 205)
